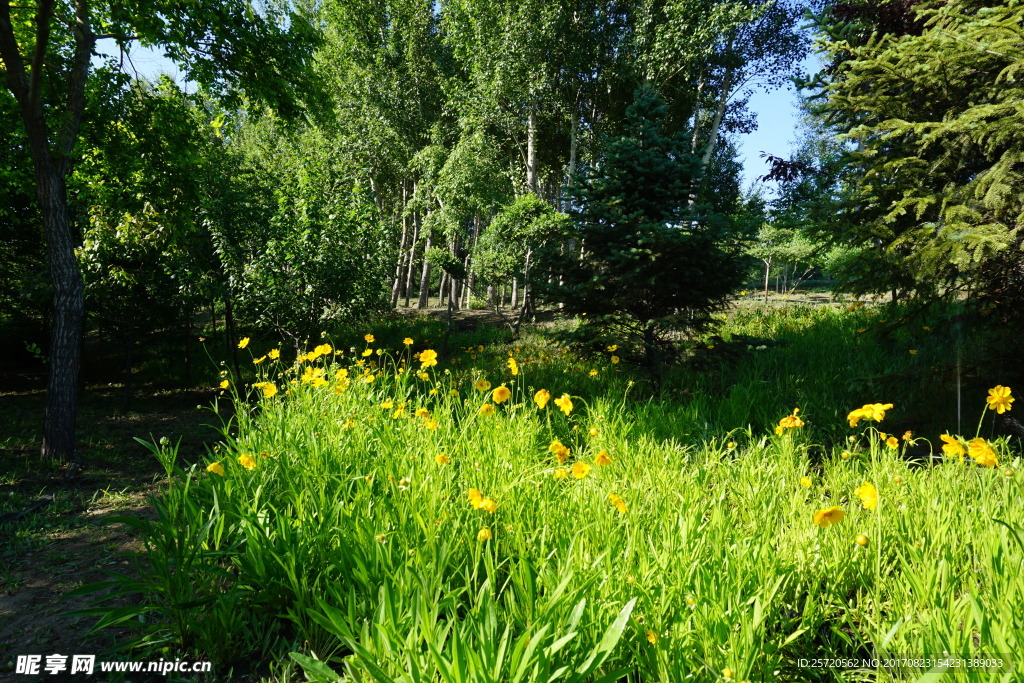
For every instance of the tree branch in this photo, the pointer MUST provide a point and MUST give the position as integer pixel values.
(85, 41)
(43, 16)
(14, 66)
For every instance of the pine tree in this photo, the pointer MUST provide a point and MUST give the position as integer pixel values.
(653, 262)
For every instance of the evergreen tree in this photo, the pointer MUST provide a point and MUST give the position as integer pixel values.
(653, 262)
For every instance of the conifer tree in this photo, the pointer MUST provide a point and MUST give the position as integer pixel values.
(653, 263)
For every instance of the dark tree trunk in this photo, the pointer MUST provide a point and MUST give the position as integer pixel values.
(68, 312)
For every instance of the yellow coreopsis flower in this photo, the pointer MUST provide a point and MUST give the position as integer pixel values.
(225, 384)
(407, 341)
(541, 398)
(323, 350)
(216, 468)
(868, 495)
(501, 394)
(369, 338)
(367, 352)
(982, 453)
(422, 412)
(791, 421)
(247, 461)
(442, 459)
(892, 442)
(613, 348)
(652, 637)
(269, 390)
(513, 366)
(827, 517)
(488, 505)
(952, 447)
(428, 359)
(999, 399)
(560, 450)
(580, 470)
(615, 360)
(484, 535)
(430, 424)
(593, 373)
(560, 473)
(475, 497)
(487, 409)
(805, 482)
(257, 361)
(861, 540)
(564, 403)
(602, 459)
(482, 385)
(274, 354)
(245, 342)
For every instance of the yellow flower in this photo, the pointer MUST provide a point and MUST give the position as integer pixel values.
(560, 473)
(257, 361)
(369, 338)
(805, 482)
(424, 376)
(225, 384)
(422, 412)
(541, 398)
(488, 505)
(487, 409)
(892, 442)
(613, 348)
(513, 366)
(593, 373)
(602, 459)
(247, 461)
(323, 350)
(726, 672)
(407, 341)
(430, 424)
(652, 637)
(564, 403)
(982, 453)
(475, 497)
(580, 470)
(593, 431)
(615, 360)
(779, 430)
(868, 495)
(367, 352)
(269, 390)
(369, 378)
(428, 359)
(484, 535)
(908, 435)
(619, 504)
(482, 385)
(399, 411)
(442, 459)
(869, 411)
(952, 447)
(827, 517)
(501, 394)
(216, 468)
(274, 354)
(861, 540)
(999, 399)
(791, 421)
(245, 342)
(560, 450)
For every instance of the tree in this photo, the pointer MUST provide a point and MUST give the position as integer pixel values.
(47, 50)
(930, 94)
(652, 263)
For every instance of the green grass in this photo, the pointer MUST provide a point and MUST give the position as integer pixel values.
(352, 545)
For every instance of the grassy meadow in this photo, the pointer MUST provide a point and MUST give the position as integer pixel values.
(520, 511)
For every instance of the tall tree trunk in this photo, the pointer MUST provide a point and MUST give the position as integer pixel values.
(412, 257)
(515, 293)
(425, 274)
(716, 122)
(396, 285)
(531, 151)
(66, 321)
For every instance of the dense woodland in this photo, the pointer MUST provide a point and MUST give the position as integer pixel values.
(332, 161)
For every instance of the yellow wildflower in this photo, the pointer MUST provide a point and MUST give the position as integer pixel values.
(652, 637)
(615, 360)
(861, 540)
(475, 497)
(868, 495)
(247, 461)
(484, 535)
(430, 424)
(487, 409)
(407, 341)
(560, 473)
(225, 384)
(869, 411)
(593, 373)
(369, 338)
(442, 459)
(422, 412)
(805, 482)
(541, 398)
(580, 470)
(274, 354)
(367, 352)
(829, 516)
(488, 505)
(602, 459)
(952, 447)
(501, 394)
(482, 385)
(257, 361)
(428, 359)
(999, 399)
(560, 450)
(269, 390)
(513, 366)
(216, 468)
(245, 342)
(982, 453)
(564, 403)
(791, 421)
(613, 348)
(892, 442)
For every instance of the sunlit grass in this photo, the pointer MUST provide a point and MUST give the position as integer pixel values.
(369, 517)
